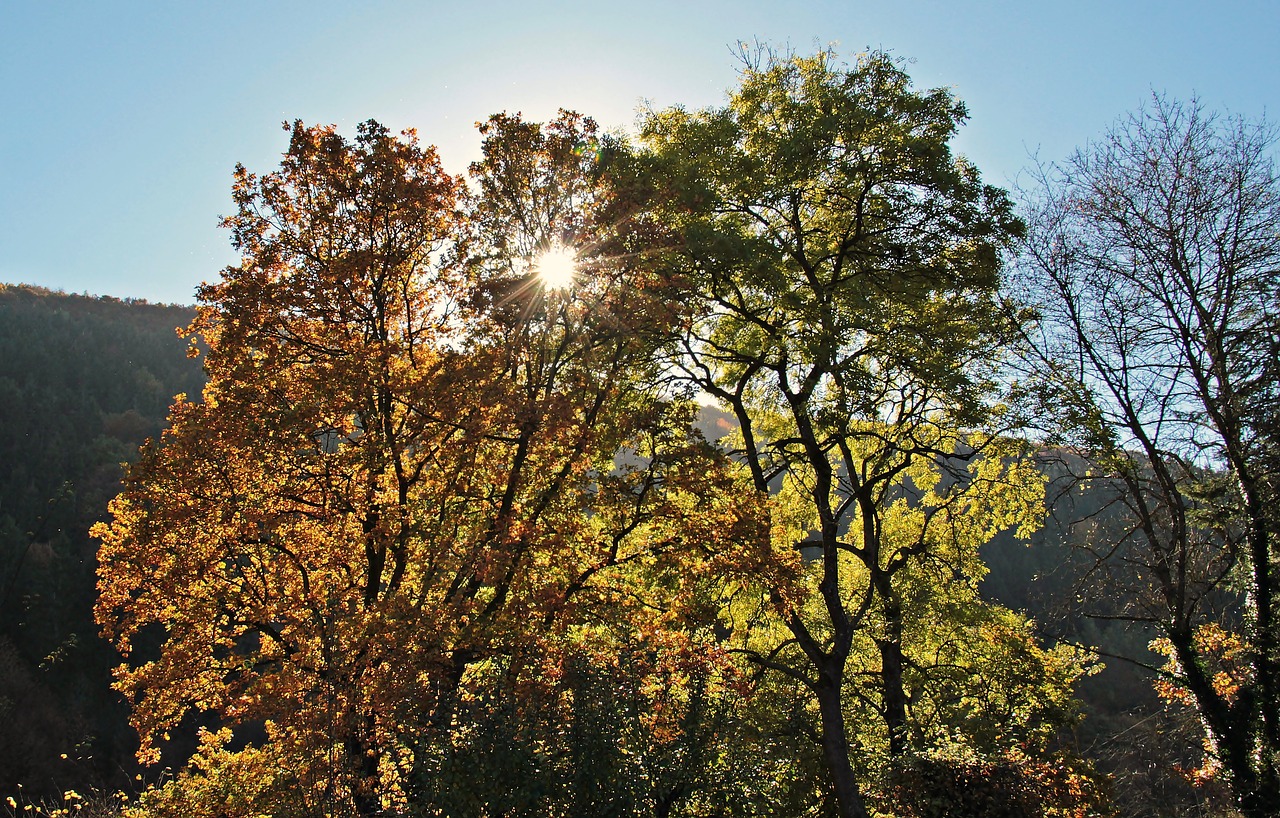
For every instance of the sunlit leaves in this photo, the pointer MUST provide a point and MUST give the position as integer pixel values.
(405, 473)
(843, 269)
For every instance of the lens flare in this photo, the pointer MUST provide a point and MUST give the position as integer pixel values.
(556, 267)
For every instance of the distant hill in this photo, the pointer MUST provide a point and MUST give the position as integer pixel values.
(1128, 732)
(83, 381)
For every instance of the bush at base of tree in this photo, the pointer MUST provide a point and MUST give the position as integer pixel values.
(1011, 785)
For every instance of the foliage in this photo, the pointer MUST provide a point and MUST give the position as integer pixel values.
(637, 732)
(1012, 785)
(69, 802)
(406, 469)
(842, 272)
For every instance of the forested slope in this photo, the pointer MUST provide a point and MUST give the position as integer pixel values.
(83, 381)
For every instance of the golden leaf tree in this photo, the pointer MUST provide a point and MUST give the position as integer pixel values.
(416, 467)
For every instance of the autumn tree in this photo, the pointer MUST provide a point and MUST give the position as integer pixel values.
(402, 489)
(277, 532)
(843, 270)
(637, 512)
(1154, 254)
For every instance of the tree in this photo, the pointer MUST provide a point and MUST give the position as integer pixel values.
(406, 483)
(1154, 255)
(842, 270)
(652, 511)
(281, 562)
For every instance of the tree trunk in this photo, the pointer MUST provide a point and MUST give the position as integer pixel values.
(892, 664)
(895, 699)
(364, 763)
(835, 748)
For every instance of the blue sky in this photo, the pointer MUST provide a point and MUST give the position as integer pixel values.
(120, 122)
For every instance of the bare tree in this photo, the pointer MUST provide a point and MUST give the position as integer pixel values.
(1154, 254)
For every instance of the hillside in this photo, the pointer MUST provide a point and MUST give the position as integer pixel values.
(83, 381)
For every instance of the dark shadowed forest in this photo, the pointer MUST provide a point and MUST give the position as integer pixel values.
(83, 382)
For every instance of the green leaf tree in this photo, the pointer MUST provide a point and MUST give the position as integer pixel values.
(841, 269)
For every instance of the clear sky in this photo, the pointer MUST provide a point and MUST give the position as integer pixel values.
(120, 122)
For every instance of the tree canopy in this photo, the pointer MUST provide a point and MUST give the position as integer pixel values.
(844, 272)
(402, 484)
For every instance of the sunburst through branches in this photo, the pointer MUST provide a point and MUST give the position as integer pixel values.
(556, 267)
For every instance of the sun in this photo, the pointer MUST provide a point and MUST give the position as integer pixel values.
(556, 267)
